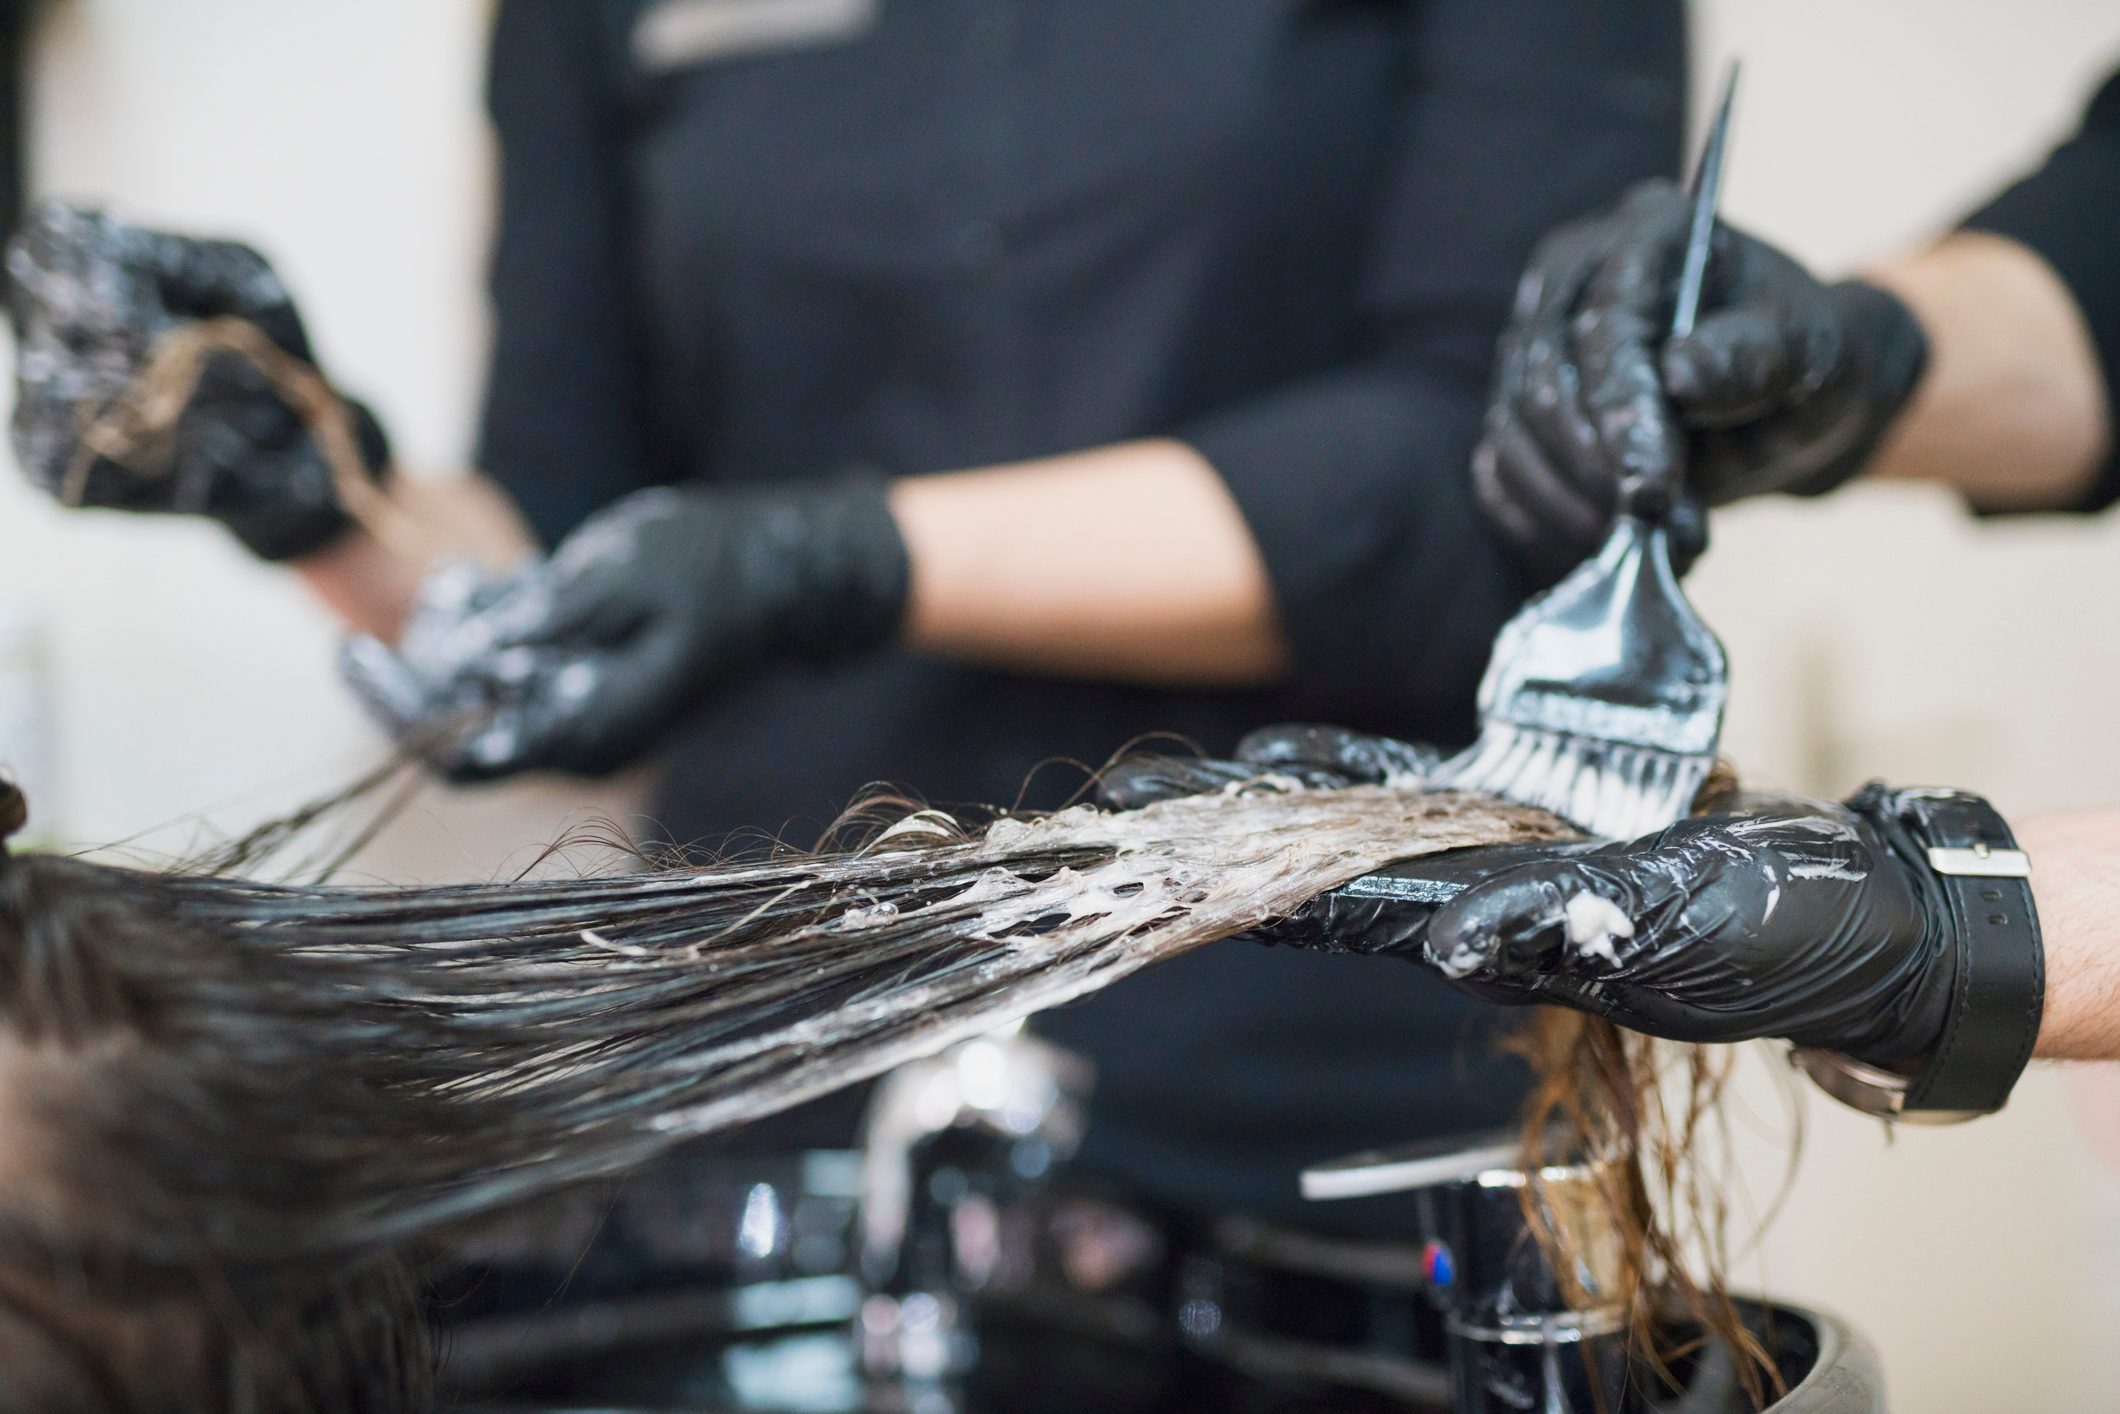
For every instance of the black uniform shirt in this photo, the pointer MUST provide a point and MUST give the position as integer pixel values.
(2069, 211)
(960, 232)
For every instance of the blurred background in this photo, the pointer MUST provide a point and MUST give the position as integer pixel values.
(180, 689)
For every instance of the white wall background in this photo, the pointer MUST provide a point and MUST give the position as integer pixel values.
(345, 138)
(1984, 1262)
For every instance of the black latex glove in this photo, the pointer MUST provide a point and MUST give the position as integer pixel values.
(89, 298)
(588, 661)
(1785, 384)
(1816, 923)
(1319, 757)
(1384, 912)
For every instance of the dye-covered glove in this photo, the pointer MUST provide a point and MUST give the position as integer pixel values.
(1785, 383)
(1815, 923)
(1324, 758)
(92, 300)
(587, 661)
(1383, 912)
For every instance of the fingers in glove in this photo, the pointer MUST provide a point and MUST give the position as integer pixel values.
(1349, 921)
(588, 714)
(550, 612)
(506, 743)
(1144, 780)
(518, 720)
(1557, 421)
(1737, 366)
(49, 452)
(1336, 755)
(599, 587)
(83, 323)
(1654, 199)
(1540, 473)
(208, 279)
(525, 707)
(1615, 341)
(1687, 526)
(1388, 911)
(1545, 934)
(1790, 451)
(1668, 935)
(1516, 524)
(434, 723)
(390, 691)
(1532, 923)
(60, 270)
(1535, 381)
(450, 633)
(233, 390)
(1317, 757)
(442, 667)
(1554, 518)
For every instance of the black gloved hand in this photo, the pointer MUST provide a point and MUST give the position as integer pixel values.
(1384, 912)
(1324, 758)
(587, 661)
(90, 297)
(1816, 923)
(1785, 384)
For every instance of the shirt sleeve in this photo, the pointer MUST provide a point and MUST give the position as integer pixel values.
(564, 426)
(2069, 212)
(1517, 115)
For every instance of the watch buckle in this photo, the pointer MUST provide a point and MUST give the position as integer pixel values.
(1869, 1089)
(1980, 862)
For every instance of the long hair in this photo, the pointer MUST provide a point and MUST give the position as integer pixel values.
(234, 1110)
(1654, 1109)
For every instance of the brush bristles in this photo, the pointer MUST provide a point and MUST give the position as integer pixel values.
(1614, 791)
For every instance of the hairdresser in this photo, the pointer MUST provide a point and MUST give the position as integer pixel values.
(1898, 938)
(918, 391)
(1987, 361)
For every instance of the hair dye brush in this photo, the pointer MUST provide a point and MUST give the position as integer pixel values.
(1604, 699)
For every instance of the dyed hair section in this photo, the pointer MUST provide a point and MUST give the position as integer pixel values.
(238, 1108)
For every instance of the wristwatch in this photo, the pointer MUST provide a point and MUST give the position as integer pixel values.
(1998, 989)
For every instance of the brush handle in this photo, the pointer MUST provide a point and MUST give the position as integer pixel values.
(1677, 503)
(1707, 197)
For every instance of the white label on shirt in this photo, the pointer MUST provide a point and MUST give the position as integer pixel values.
(678, 33)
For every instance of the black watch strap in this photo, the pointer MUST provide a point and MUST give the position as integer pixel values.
(1999, 989)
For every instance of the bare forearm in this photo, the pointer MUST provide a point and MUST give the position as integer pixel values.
(1128, 562)
(2011, 412)
(369, 583)
(2076, 882)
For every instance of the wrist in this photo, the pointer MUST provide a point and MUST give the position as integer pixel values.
(1896, 1037)
(1889, 353)
(369, 587)
(1976, 999)
(851, 595)
(2077, 889)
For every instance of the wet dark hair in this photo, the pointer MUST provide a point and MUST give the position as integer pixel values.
(232, 1111)
(150, 1174)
